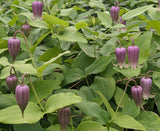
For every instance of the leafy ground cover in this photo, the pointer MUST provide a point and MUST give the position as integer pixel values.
(68, 60)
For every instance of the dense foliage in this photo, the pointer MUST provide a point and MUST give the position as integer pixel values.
(68, 61)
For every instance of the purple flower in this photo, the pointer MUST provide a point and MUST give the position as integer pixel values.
(22, 96)
(115, 12)
(26, 29)
(122, 21)
(137, 94)
(146, 85)
(121, 56)
(13, 47)
(11, 82)
(37, 9)
(64, 117)
(133, 55)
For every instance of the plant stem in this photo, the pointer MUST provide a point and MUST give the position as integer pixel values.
(49, 11)
(34, 90)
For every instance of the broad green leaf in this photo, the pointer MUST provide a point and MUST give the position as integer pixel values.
(128, 72)
(85, 15)
(91, 126)
(87, 49)
(68, 36)
(4, 19)
(135, 12)
(5, 72)
(155, 25)
(50, 53)
(108, 47)
(105, 18)
(98, 65)
(25, 68)
(13, 21)
(61, 100)
(143, 42)
(131, 109)
(3, 50)
(118, 26)
(149, 120)
(41, 68)
(54, 20)
(118, 95)
(43, 89)
(105, 85)
(94, 110)
(13, 115)
(4, 61)
(81, 24)
(156, 79)
(56, 127)
(129, 122)
(154, 13)
(72, 74)
(3, 33)
(3, 44)
(108, 106)
(7, 100)
(97, 3)
(66, 12)
(28, 127)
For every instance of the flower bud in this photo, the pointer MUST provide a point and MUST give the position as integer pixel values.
(121, 56)
(115, 12)
(146, 85)
(26, 29)
(13, 47)
(11, 82)
(22, 96)
(37, 9)
(64, 117)
(137, 94)
(133, 55)
(122, 21)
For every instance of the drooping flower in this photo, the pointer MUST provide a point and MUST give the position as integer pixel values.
(146, 85)
(11, 82)
(133, 55)
(37, 7)
(64, 117)
(22, 96)
(13, 47)
(115, 12)
(26, 28)
(137, 94)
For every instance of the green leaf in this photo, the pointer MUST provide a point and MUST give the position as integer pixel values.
(118, 95)
(68, 36)
(98, 65)
(71, 75)
(25, 68)
(105, 85)
(41, 68)
(4, 61)
(91, 126)
(61, 100)
(149, 120)
(32, 114)
(135, 12)
(143, 42)
(7, 100)
(108, 47)
(3, 50)
(155, 25)
(28, 127)
(50, 53)
(43, 89)
(156, 79)
(105, 18)
(108, 106)
(128, 72)
(5, 72)
(54, 20)
(128, 122)
(131, 109)
(154, 13)
(97, 3)
(56, 127)
(94, 110)
(80, 25)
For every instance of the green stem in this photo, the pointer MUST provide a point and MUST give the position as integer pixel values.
(49, 11)
(72, 124)
(87, 81)
(30, 54)
(34, 90)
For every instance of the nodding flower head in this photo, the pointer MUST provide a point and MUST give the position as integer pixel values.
(133, 55)
(11, 82)
(26, 28)
(137, 94)
(146, 85)
(64, 117)
(22, 96)
(115, 12)
(37, 9)
(13, 47)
